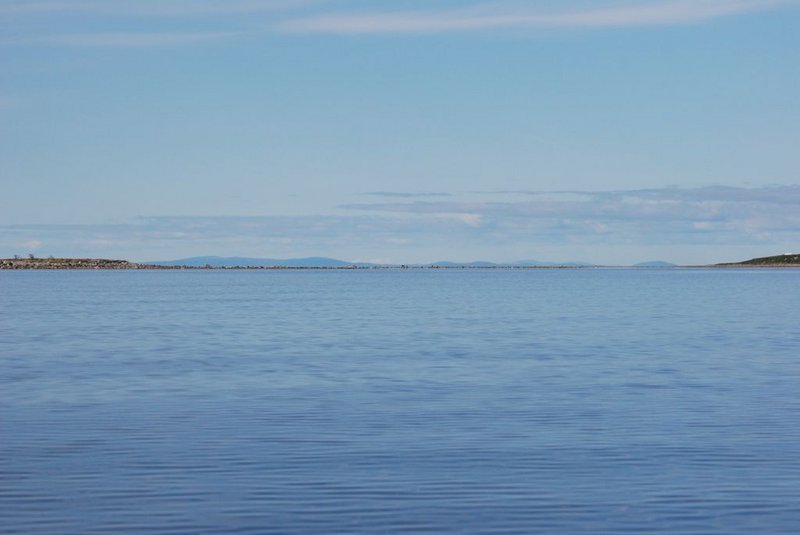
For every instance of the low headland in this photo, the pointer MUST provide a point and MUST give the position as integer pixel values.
(783, 260)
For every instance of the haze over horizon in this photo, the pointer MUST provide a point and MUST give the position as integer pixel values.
(610, 132)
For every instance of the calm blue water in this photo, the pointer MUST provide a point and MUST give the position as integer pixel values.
(552, 401)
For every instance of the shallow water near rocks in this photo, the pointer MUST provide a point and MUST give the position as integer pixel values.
(420, 401)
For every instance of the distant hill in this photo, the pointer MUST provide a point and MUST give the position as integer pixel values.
(324, 262)
(234, 261)
(655, 263)
(778, 260)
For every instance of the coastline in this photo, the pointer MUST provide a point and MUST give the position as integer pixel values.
(107, 264)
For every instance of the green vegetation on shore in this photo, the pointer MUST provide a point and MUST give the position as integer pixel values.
(769, 261)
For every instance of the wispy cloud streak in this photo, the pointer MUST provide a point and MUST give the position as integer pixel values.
(506, 15)
(714, 213)
(402, 195)
(715, 218)
(218, 19)
(136, 23)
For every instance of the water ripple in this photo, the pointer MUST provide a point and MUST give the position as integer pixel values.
(404, 402)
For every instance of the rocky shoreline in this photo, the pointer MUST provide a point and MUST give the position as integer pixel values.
(72, 263)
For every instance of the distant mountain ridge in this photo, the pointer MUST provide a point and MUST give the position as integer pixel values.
(234, 261)
(325, 262)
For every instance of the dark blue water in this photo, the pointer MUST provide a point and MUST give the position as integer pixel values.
(535, 401)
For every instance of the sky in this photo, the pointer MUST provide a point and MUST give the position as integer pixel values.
(606, 131)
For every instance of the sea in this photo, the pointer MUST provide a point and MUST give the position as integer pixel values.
(563, 401)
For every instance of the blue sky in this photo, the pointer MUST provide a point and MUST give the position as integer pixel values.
(404, 131)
